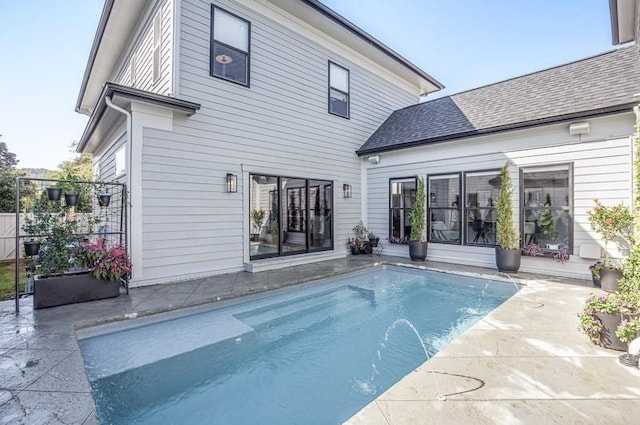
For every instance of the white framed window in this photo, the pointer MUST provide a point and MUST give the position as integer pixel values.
(157, 43)
(121, 161)
(338, 90)
(230, 44)
(96, 168)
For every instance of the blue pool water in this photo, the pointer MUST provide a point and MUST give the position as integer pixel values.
(315, 355)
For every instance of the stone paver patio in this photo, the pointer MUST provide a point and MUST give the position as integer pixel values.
(533, 365)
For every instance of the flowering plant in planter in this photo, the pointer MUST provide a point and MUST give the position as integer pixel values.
(590, 324)
(399, 240)
(107, 264)
(532, 250)
(562, 255)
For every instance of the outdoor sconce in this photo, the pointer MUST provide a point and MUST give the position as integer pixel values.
(232, 183)
(375, 159)
(346, 188)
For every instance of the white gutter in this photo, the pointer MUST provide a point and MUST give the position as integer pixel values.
(128, 133)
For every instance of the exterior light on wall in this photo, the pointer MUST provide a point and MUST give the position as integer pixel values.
(346, 188)
(232, 183)
(375, 159)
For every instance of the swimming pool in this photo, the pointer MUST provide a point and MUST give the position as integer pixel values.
(313, 355)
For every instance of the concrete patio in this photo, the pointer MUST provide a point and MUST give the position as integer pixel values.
(534, 366)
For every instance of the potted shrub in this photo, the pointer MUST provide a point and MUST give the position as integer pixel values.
(360, 235)
(373, 239)
(614, 224)
(417, 239)
(508, 253)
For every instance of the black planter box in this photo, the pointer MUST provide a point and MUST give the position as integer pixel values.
(72, 288)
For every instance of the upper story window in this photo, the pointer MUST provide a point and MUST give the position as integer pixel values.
(157, 42)
(338, 90)
(229, 46)
(444, 208)
(547, 212)
(401, 198)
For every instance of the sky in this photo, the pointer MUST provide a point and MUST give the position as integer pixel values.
(44, 47)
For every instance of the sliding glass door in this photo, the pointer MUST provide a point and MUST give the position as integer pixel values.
(289, 216)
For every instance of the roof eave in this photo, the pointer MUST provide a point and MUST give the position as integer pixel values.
(500, 129)
(130, 94)
(104, 18)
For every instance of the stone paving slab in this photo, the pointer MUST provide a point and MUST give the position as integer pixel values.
(524, 363)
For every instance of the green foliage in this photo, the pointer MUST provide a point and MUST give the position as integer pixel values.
(56, 248)
(78, 169)
(8, 175)
(360, 231)
(418, 214)
(506, 234)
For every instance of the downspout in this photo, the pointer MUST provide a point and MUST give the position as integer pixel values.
(128, 132)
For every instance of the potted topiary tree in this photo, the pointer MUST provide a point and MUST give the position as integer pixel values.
(508, 252)
(417, 240)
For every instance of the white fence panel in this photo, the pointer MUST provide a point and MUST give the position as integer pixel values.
(8, 236)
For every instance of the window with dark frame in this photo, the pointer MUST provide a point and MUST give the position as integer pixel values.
(289, 216)
(338, 90)
(481, 189)
(402, 195)
(546, 200)
(443, 213)
(230, 45)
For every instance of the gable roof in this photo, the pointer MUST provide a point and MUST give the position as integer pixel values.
(598, 85)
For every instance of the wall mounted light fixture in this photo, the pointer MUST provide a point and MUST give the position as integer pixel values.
(375, 159)
(577, 128)
(232, 183)
(346, 189)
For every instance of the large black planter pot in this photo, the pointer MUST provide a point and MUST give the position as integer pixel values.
(53, 193)
(31, 248)
(417, 251)
(355, 250)
(71, 199)
(104, 199)
(597, 282)
(367, 248)
(72, 288)
(508, 260)
(609, 279)
(374, 242)
(608, 338)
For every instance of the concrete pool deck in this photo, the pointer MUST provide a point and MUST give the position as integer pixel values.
(534, 366)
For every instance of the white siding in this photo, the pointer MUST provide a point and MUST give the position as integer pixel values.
(279, 125)
(601, 169)
(142, 51)
(106, 158)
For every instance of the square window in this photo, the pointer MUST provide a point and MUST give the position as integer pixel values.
(121, 160)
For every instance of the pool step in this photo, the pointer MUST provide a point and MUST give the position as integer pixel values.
(128, 349)
(283, 311)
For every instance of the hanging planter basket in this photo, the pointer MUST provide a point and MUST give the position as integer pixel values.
(71, 199)
(31, 248)
(53, 193)
(104, 199)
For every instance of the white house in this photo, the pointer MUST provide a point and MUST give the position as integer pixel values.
(276, 95)
(255, 134)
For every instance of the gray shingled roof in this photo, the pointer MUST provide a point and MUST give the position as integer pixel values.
(605, 83)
